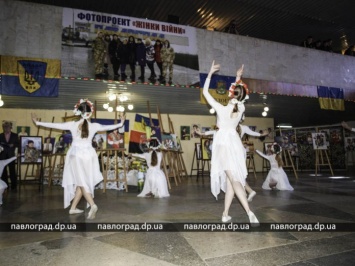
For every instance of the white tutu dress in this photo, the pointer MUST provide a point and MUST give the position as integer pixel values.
(155, 180)
(228, 152)
(81, 162)
(276, 174)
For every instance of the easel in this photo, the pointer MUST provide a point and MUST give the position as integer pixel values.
(171, 158)
(105, 166)
(181, 168)
(266, 165)
(251, 163)
(39, 172)
(322, 159)
(197, 156)
(288, 162)
(56, 170)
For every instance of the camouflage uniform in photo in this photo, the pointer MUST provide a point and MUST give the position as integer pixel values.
(99, 48)
(168, 56)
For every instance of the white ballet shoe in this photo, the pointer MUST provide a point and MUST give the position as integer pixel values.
(251, 196)
(226, 219)
(92, 212)
(75, 211)
(252, 219)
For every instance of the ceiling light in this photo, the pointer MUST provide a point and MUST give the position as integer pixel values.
(112, 97)
(105, 105)
(266, 109)
(1, 102)
(130, 107)
(339, 177)
(264, 113)
(120, 108)
(110, 109)
(284, 125)
(212, 111)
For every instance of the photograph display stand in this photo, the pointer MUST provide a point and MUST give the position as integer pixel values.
(56, 168)
(266, 163)
(201, 162)
(106, 157)
(196, 158)
(251, 163)
(33, 159)
(288, 162)
(322, 159)
(172, 162)
(181, 167)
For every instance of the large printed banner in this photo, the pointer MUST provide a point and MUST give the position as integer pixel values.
(81, 27)
(22, 76)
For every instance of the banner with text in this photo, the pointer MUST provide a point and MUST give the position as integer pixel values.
(81, 28)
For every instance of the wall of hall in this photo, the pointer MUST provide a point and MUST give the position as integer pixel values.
(34, 30)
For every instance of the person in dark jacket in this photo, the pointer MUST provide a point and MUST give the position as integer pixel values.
(122, 50)
(140, 56)
(112, 51)
(10, 142)
(131, 49)
(150, 59)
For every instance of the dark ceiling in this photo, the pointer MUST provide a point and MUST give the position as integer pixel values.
(285, 21)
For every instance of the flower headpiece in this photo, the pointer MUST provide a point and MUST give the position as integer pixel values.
(238, 90)
(76, 107)
(154, 146)
(276, 148)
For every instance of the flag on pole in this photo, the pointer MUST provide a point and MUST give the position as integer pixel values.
(331, 98)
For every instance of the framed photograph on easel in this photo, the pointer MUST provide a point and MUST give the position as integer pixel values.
(31, 150)
(206, 148)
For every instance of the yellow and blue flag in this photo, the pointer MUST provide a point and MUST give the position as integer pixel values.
(35, 77)
(219, 87)
(331, 98)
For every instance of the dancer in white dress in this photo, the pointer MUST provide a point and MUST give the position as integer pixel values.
(276, 176)
(3, 163)
(155, 184)
(81, 168)
(228, 168)
(242, 130)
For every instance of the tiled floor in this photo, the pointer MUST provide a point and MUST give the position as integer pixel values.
(315, 199)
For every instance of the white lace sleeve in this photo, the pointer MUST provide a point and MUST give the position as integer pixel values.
(211, 101)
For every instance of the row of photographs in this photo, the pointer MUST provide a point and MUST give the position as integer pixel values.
(33, 148)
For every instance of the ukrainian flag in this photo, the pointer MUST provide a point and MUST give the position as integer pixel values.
(35, 77)
(219, 87)
(331, 98)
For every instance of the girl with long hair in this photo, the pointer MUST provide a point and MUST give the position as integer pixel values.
(228, 168)
(155, 184)
(276, 177)
(81, 168)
